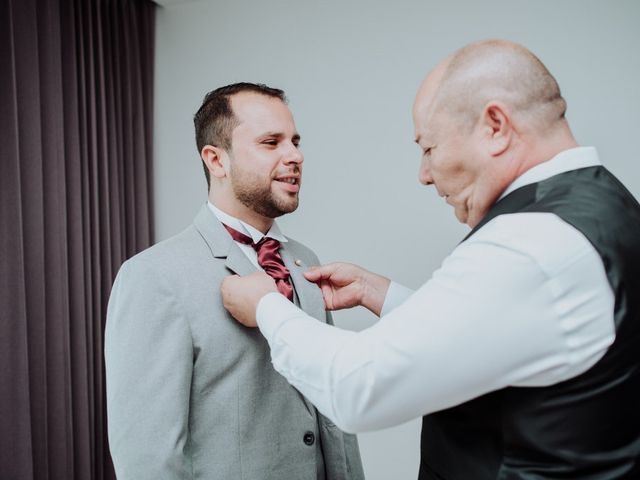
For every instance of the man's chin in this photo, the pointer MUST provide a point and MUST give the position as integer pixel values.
(462, 215)
(280, 208)
(290, 208)
(286, 203)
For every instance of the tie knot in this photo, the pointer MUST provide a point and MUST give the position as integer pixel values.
(266, 242)
(268, 258)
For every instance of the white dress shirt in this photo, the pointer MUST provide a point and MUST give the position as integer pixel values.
(243, 227)
(524, 302)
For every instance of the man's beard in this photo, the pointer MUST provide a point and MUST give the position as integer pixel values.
(252, 191)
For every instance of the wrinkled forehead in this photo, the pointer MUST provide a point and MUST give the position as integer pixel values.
(424, 101)
(423, 111)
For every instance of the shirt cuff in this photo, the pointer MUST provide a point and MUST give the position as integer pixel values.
(273, 310)
(396, 295)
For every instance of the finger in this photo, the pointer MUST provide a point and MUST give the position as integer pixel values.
(327, 295)
(225, 290)
(313, 274)
(317, 273)
(268, 278)
(228, 279)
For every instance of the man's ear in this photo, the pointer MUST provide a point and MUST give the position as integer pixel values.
(216, 161)
(497, 127)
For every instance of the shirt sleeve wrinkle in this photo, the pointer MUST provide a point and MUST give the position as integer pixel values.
(581, 299)
(489, 317)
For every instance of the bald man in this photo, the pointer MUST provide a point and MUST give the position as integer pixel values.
(521, 351)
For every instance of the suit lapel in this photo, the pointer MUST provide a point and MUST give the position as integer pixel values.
(238, 262)
(220, 242)
(309, 295)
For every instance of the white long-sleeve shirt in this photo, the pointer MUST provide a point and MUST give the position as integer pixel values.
(525, 301)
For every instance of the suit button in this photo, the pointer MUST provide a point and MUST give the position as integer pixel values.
(309, 438)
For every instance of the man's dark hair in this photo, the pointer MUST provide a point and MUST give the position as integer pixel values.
(214, 121)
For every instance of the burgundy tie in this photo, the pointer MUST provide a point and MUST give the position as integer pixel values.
(268, 258)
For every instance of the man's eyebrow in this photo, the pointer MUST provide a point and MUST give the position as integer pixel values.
(272, 134)
(296, 136)
(279, 135)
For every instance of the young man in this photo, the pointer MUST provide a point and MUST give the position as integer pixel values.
(191, 393)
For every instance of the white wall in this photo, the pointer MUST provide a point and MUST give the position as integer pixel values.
(351, 70)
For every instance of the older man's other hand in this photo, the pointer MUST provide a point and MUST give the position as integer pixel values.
(240, 295)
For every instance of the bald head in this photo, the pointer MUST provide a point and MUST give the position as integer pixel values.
(493, 70)
(483, 117)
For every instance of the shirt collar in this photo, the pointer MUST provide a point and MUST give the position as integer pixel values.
(572, 159)
(243, 227)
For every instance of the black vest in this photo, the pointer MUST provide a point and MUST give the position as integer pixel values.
(587, 427)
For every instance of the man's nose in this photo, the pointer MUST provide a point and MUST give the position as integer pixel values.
(424, 175)
(293, 155)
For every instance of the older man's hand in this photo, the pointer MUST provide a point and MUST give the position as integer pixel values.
(240, 295)
(345, 285)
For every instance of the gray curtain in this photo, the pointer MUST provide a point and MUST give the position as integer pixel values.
(76, 90)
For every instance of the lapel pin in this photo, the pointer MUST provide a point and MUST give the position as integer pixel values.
(298, 262)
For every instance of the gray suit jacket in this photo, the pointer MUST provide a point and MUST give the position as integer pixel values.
(192, 394)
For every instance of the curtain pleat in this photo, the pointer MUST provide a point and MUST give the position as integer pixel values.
(14, 359)
(76, 85)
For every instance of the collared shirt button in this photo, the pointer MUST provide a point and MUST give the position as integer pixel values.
(309, 438)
